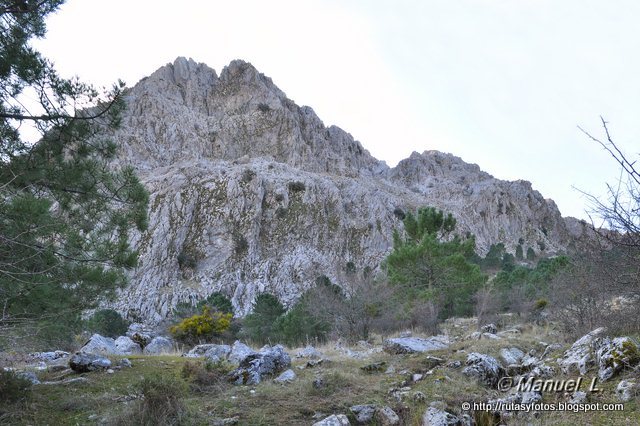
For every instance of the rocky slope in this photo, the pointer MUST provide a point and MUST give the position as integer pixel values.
(252, 193)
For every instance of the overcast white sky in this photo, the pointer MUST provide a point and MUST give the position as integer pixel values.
(500, 83)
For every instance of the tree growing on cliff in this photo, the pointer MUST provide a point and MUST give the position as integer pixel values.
(65, 211)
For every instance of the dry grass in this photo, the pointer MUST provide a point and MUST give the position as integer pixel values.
(107, 396)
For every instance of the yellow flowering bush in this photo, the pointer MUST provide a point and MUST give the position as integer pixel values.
(201, 326)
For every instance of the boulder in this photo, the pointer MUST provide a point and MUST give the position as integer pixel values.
(484, 368)
(627, 390)
(615, 354)
(334, 420)
(489, 328)
(309, 352)
(140, 334)
(268, 362)
(578, 397)
(211, 351)
(98, 344)
(363, 413)
(239, 351)
(124, 363)
(49, 356)
(436, 417)
(85, 362)
(287, 376)
(158, 345)
(408, 345)
(30, 376)
(385, 416)
(580, 356)
(126, 346)
(511, 355)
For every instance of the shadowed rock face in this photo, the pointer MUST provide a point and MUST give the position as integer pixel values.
(252, 193)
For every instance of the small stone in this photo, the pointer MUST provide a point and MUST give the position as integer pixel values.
(385, 416)
(627, 390)
(578, 397)
(489, 328)
(286, 377)
(363, 413)
(334, 420)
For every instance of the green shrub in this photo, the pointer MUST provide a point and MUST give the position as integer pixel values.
(107, 322)
(13, 388)
(218, 302)
(297, 186)
(531, 254)
(519, 253)
(187, 260)
(540, 304)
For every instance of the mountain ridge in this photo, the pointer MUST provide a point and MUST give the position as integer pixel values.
(263, 197)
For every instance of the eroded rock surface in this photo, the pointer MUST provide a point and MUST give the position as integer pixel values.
(258, 195)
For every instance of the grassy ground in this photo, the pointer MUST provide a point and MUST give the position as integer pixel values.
(111, 398)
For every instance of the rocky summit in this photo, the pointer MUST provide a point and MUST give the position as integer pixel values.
(251, 193)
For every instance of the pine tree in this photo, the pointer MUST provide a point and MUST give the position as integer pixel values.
(430, 265)
(66, 211)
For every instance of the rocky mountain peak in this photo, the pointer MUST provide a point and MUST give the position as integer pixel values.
(251, 193)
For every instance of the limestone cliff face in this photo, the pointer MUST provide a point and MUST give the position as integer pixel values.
(252, 193)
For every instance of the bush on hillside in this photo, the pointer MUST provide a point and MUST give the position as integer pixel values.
(107, 322)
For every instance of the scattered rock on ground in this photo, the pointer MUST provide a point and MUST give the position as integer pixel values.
(627, 390)
(30, 376)
(211, 351)
(309, 352)
(385, 416)
(489, 328)
(334, 420)
(287, 376)
(437, 417)
(125, 363)
(158, 345)
(126, 346)
(268, 362)
(484, 368)
(140, 334)
(511, 355)
(407, 345)
(615, 354)
(49, 356)
(432, 362)
(578, 397)
(239, 351)
(84, 362)
(98, 344)
(363, 413)
(580, 356)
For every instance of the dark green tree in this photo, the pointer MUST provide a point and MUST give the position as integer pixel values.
(66, 210)
(258, 326)
(431, 264)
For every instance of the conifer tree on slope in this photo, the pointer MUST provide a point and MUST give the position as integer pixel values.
(66, 212)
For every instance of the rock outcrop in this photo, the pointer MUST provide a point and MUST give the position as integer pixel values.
(252, 193)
